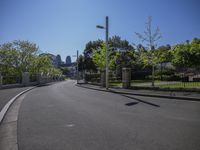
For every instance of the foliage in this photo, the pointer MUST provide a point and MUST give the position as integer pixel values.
(81, 65)
(22, 56)
(65, 71)
(40, 64)
(150, 58)
(116, 44)
(187, 54)
(99, 57)
(88, 52)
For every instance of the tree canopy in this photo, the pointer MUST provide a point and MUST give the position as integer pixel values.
(22, 56)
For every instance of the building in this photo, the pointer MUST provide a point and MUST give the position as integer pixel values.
(68, 60)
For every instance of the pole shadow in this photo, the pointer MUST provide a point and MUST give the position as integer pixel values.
(139, 100)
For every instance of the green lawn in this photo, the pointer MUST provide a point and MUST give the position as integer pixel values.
(162, 84)
(181, 85)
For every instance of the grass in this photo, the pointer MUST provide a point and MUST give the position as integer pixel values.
(161, 84)
(182, 85)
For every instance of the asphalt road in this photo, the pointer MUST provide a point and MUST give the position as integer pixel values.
(66, 117)
(7, 94)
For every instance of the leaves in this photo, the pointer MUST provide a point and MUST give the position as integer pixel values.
(187, 54)
(99, 57)
(21, 56)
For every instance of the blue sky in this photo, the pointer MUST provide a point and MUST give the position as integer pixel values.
(64, 26)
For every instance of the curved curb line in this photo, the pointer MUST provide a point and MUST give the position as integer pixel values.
(9, 103)
(147, 95)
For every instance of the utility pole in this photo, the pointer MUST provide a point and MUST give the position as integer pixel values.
(77, 74)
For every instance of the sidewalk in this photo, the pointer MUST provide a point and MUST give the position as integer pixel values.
(7, 94)
(195, 96)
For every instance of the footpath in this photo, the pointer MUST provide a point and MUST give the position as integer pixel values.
(193, 96)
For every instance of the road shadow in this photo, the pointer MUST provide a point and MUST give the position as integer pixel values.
(127, 104)
(139, 100)
(131, 103)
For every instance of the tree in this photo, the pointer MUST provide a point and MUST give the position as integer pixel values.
(99, 57)
(41, 64)
(187, 54)
(22, 56)
(88, 52)
(81, 65)
(27, 51)
(151, 39)
(9, 60)
(117, 43)
(126, 53)
(164, 55)
(65, 71)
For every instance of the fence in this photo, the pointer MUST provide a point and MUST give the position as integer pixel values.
(11, 80)
(175, 81)
(26, 80)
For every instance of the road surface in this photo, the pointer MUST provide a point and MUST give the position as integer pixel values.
(63, 116)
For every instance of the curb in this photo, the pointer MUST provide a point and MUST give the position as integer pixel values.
(147, 95)
(9, 103)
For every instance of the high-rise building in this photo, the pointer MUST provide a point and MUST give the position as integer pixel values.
(68, 60)
(58, 60)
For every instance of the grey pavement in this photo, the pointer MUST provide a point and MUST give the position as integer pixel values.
(7, 94)
(195, 95)
(63, 116)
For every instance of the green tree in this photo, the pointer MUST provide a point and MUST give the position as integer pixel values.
(164, 55)
(9, 60)
(22, 56)
(187, 54)
(88, 53)
(27, 51)
(126, 53)
(99, 57)
(40, 64)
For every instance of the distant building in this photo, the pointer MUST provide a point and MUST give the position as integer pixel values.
(68, 60)
(58, 60)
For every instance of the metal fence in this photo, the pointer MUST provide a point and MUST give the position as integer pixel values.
(142, 79)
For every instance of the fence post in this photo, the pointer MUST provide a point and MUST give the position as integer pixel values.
(1, 80)
(25, 78)
(126, 77)
(103, 78)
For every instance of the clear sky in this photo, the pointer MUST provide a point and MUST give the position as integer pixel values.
(64, 26)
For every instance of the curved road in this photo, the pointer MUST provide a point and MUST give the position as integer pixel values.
(63, 116)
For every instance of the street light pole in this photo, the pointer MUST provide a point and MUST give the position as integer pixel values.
(107, 69)
(77, 75)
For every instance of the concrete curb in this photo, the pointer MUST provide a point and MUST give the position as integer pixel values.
(147, 95)
(9, 103)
